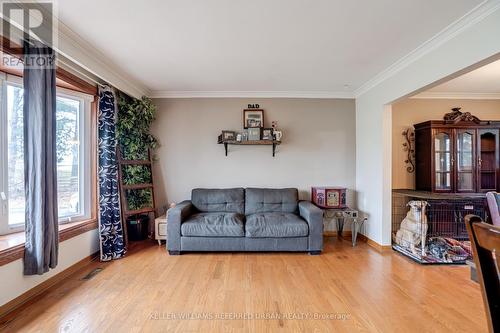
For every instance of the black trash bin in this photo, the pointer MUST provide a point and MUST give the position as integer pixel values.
(137, 227)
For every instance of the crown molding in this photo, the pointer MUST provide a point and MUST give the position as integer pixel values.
(251, 94)
(82, 53)
(474, 16)
(83, 58)
(456, 95)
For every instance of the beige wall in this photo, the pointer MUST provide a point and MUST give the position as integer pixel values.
(318, 146)
(71, 251)
(413, 111)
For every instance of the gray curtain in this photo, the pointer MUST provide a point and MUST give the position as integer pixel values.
(40, 164)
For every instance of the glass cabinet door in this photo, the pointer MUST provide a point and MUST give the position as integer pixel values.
(442, 161)
(487, 160)
(465, 161)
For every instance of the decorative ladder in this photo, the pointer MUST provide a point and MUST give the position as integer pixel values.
(123, 188)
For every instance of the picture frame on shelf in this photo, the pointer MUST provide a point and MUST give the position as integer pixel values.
(228, 136)
(244, 135)
(254, 133)
(277, 135)
(267, 134)
(253, 118)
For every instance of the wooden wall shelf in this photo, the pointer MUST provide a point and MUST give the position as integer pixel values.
(272, 143)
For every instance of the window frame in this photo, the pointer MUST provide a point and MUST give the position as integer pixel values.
(84, 163)
(5, 227)
(85, 151)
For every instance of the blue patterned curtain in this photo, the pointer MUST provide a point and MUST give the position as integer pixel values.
(110, 226)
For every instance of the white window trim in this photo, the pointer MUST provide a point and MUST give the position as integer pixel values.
(85, 151)
(4, 209)
(84, 163)
(5, 227)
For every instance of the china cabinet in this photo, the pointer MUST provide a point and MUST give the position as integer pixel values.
(459, 154)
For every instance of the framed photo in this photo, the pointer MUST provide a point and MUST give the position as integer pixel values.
(254, 134)
(253, 118)
(277, 135)
(267, 134)
(228, 136)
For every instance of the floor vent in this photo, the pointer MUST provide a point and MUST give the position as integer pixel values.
(92, 273)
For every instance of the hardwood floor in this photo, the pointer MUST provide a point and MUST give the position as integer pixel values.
(359, 289)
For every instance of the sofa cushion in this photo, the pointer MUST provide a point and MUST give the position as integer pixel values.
(231, 200)
(264, 200)
(214, 225)
(275, 225)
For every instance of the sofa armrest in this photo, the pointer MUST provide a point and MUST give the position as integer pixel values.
(314, 217)
(176, 216)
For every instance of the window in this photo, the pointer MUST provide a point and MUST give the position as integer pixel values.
(73, 155)
(69, 175)
(15, 155)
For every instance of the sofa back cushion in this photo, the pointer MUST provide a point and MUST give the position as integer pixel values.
(266, 200)
(231, 200)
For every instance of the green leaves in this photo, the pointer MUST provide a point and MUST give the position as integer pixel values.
(135, 117)
(137, 199)
(136, 174)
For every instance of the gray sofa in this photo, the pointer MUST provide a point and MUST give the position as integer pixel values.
(252, 219)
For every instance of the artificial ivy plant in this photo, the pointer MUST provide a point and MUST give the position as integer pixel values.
(134, 138)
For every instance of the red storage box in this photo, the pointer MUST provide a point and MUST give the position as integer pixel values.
(329, 197)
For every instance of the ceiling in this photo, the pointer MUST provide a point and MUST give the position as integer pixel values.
(321, 46)
(485, 80)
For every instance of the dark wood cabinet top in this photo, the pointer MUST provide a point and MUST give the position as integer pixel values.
(463, 124)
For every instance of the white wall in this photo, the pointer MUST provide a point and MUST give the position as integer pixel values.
(14, 283)
(318, 146)
(409, 112)
(466, 47)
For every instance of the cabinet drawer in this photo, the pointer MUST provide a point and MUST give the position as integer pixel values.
(162, 229)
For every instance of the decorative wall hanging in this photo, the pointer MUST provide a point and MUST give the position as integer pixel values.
(409, 148)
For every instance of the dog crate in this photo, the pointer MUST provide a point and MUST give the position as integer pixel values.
(430, 228)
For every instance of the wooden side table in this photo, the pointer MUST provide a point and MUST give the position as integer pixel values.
(341, 215)
(161, 228)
